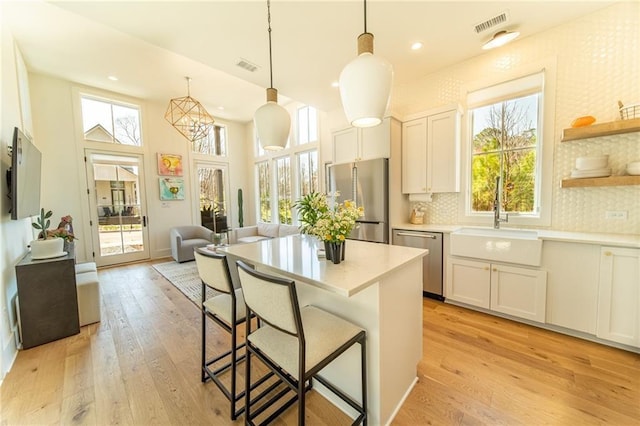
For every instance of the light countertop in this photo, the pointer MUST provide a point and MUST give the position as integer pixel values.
(618, 240)
(296, 257)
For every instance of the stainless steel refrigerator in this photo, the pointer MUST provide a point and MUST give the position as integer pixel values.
(366, 183)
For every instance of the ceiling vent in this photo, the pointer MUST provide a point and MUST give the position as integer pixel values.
(490, 23)
(244, 64)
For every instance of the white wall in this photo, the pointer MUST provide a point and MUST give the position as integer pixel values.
(15, 234)
(597, 64)
(59, 136)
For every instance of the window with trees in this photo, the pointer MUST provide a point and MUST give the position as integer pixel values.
(264, 191)
(505, 144)
(283, 192)
(105, 120)
(215, 143)
(293, 173)
(308, 172)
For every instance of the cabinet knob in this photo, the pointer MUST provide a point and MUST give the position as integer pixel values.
(486, 268)
(607, 253)
(495, 269)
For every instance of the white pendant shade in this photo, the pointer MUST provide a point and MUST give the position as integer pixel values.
(365, 85)
(272, 124)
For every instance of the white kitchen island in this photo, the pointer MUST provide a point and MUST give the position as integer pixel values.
(379, 288)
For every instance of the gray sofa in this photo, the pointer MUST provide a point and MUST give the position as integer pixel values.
(261, 231)
(186, 238)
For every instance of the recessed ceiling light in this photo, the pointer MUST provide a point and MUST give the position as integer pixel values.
(417, 45)
(113, 78)
(220, 108)
(335, 84)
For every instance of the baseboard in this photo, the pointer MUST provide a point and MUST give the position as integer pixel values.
(9, 352)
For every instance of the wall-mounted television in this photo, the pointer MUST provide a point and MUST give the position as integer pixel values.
(24, 177)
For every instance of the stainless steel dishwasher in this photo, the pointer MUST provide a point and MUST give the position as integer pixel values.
(432, 263)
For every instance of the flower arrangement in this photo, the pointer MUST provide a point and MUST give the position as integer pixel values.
(329, 223)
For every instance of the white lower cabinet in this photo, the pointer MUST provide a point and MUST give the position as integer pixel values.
(511, 290)
(469, 281)
(619, 295)
(520, 292)
(572, 284)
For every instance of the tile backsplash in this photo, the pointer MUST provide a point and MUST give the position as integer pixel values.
(598, 63)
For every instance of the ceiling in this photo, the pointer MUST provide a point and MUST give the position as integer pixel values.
(152, 45)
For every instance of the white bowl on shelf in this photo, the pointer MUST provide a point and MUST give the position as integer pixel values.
(633, 168)
(596, 162)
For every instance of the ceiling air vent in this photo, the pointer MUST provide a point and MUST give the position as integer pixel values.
(249, 66)
(490, 23)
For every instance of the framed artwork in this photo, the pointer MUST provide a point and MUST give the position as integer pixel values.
(171, 189)
(169, 164)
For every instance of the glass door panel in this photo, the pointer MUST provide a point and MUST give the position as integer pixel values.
(212, 185)
(117, 205)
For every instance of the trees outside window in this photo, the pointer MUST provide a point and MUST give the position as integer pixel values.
(505, 144)
(283, 180)
(264, 191)
(215, 143)
(108, 121)
(293, 171)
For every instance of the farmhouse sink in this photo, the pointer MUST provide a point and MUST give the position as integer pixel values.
(521, 246)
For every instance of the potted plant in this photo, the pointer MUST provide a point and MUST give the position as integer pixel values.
(47, 245)
(310, 208)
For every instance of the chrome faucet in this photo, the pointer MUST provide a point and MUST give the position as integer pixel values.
(496, 208)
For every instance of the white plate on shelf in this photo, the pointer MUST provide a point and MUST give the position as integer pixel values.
(591, 173)
(51, 256)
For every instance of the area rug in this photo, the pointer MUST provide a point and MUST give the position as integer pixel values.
(184, 276)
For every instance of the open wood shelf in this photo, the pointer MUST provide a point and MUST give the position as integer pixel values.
(602, 129)
(602, 181)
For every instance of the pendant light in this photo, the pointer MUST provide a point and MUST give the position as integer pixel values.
(271, 120)
(188, 116)
(365, 83)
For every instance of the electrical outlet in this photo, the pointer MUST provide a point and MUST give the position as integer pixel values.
(615, 214)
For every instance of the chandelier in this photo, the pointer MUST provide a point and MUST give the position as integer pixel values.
(188, 116)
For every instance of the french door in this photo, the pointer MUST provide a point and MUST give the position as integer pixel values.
(117, 206)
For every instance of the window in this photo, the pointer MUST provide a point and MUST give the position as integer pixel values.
(283, 179)
(308, 172)
(293, 171)
(307, 125)
(215, 143)
(264, 191)
(506, 143)
(111, 122)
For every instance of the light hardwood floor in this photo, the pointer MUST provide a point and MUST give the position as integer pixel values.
(140, 366)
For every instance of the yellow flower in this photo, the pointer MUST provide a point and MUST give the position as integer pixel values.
(341, 237)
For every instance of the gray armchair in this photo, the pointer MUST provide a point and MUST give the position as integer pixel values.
(186, 238)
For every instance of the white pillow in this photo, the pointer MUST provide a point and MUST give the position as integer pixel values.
(268, 229)
(288, 230)
(251, 239)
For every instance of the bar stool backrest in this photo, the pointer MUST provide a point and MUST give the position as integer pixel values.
(213, 270)
(272, 299)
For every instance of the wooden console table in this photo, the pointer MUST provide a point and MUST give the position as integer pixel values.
(47, 299)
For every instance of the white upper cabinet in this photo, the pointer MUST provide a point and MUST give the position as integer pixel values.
(359, 144)
(431, 153)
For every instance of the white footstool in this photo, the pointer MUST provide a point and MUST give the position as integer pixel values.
(81, 268)
(88, 288)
